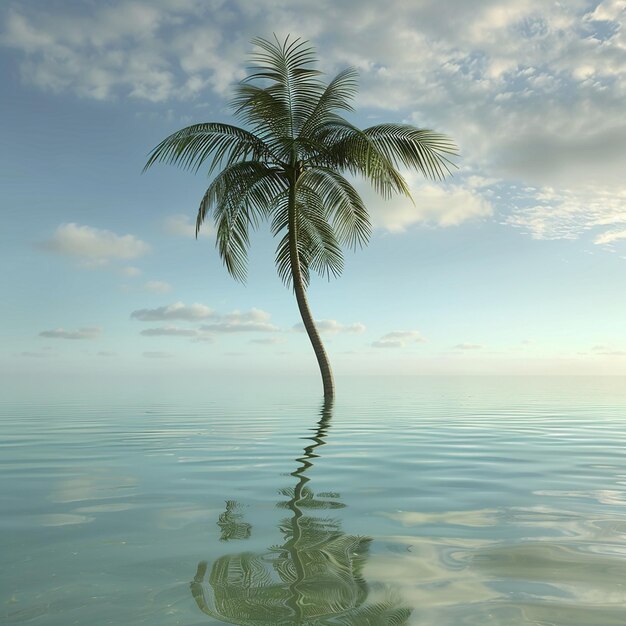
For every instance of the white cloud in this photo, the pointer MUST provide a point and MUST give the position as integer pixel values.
(131, 271)
(532, 92)
(388, 343)
(608, 351)
(146, 50)
(610, 236)
(176, 311)
(468, 346)
(270, 341)
(333, 327)
(434, 204)
(37, 355)
(94, 245)
(81, 333)
(169, 331)
(398, 339)
(549, 213)
(611, 10)
(251, 316)
(239, 327)
(181, 225)
(203, 338)
(254, 320)
(157, 286)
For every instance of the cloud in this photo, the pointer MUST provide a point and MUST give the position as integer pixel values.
(608, 10)
(531, 92)
(131, 271)
(333, 327)
(254, 320)
(37, 355)
(148, 51)
(169, 331)
(176, 311)
(550, 213)
(590, 156)
(157, 286)
(107, 353)
(93, 245)
(181, 225)
(157, 355)
(81, 333)
(270, 341)
(468, 346)
(253, 316)
(398, 339)
(203, 338)
(387, 343)
(607, 351)
(610, 237)
(434, 204)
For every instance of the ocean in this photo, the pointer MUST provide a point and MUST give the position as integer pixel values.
(425, 500)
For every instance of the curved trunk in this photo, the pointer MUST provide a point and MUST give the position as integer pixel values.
(303, 305)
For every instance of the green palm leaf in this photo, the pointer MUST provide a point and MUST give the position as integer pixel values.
(190, 147)
(343, 204)
(413, 148)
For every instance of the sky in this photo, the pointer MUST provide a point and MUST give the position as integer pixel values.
(514, 265)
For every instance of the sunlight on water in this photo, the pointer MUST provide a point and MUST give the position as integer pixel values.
(436, 502)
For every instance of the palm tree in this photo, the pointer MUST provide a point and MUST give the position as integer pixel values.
(288, 165)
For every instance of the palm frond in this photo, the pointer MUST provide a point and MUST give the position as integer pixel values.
(414, 148)
(342, 202)
(251, 183)
(287, 66)
(337, 96)
(266, 115)
(283, 262)
(349, 149)
(317, 245)
(239, 197)
(190, 147)
(319, 242)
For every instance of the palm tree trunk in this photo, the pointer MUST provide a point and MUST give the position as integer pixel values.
(303, 305)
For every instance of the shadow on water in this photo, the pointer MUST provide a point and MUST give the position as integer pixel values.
(314, 577)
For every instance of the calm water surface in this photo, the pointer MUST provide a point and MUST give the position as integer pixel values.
(427, 501)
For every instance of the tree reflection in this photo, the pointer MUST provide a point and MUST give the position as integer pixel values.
(231, 523)
(315, 577)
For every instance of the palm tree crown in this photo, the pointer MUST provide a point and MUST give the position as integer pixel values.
(288, 165)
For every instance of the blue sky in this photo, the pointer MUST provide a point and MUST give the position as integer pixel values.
(515, 265)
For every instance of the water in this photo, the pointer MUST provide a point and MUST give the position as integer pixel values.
(425, 501)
